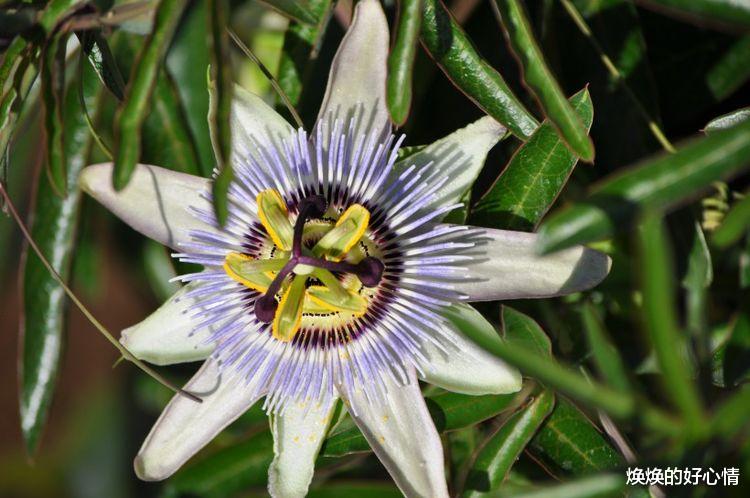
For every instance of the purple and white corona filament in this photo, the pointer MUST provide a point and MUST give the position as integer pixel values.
(393, 269)
(335, 278)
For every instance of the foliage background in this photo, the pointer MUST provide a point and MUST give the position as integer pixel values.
(678, 71)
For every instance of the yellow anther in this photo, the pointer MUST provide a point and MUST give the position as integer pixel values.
(349, 229)
(288, 317)
(254, 273)
(327, 299)
(275, 218)
(310, 306)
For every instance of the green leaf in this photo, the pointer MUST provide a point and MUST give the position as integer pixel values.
(53, 227)
(220, 104)
(52, 90)
(167, 140)
(728, 120)
(227, 471)
(523, 330)
(570, 442)
(302, 42)
(17, 74)
(455, 54)
(540, 79)
(401, 60)
(503, 448)
(297, 10)
(136, 106)
(534, 177)
(722, 12)
(658, 183)
(731, 71)
(607, 359)
(660, 320)
(100, 56)
(449, 411)
(187, 63)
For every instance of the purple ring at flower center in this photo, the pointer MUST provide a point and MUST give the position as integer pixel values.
(369, 270)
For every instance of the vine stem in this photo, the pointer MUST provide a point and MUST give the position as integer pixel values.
(274, 83)
(84, 310)
(82, 100)
(580, 22)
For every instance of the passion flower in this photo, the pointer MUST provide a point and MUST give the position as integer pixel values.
(333, 278)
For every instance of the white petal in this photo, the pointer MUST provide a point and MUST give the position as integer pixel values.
(459, 157)
(156, 201)
(186, 426)
(298, 434)
(506, 266)
(356, 83)
(403, 436)
(165, 337)
(252, 120)
(465, 367)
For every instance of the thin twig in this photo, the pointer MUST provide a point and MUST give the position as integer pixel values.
(89, 316)
(107, 151)
(275, 84)
(617, 75)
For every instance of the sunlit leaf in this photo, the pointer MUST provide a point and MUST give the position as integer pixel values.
(503, 448)
(569, 441)
(540, 80)
(452, 50)
(534, 177)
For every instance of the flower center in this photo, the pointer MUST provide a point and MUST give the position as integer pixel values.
(303, 278)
